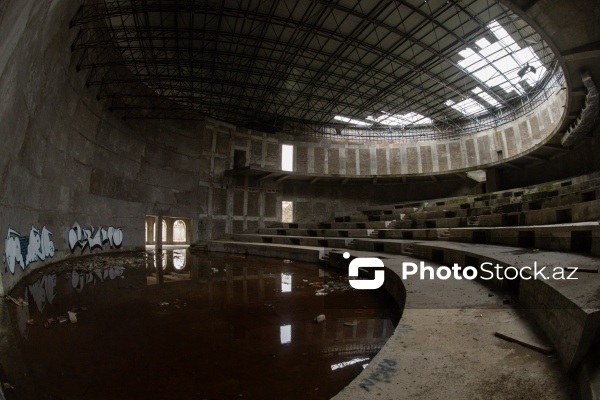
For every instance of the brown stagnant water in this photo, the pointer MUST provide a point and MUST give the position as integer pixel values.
(217, 327)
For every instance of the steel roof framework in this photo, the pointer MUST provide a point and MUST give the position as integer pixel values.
(292, 66)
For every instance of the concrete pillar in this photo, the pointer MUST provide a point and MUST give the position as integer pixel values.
(493, 180)
(169, 222)
(149, 230)
(158, 249)
(158, 231)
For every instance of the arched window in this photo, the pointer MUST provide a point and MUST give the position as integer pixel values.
(179, 231)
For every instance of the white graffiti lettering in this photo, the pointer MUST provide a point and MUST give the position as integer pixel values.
(88, 238)
(24, 250)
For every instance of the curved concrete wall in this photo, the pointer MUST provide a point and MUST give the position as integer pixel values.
(66, 160)
(480, 150)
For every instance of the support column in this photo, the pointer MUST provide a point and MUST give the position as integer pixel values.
(149, 230)
(493, 180)
(169, 222)
(158, 249)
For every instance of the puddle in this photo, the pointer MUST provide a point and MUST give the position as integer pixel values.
(199, 327)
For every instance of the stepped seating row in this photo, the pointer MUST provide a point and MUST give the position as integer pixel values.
(294, 240)
(558, 203)
(512, 228)
(584, 186)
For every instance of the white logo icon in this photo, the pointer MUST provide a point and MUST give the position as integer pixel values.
(365, 262)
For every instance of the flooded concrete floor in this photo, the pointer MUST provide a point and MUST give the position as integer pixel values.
(200, 327)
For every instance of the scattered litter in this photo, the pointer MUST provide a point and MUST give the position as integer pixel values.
(354, 323)
(7, 386)
(72, 317)
(18, 301)
(305, 280)
(534, 346)
(479, 316)
(288, 261)
(163, 303)
(321, 294)
(320, 318)
(30, 322)
(62, 320)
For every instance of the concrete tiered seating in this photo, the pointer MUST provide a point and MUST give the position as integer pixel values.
(547, 224)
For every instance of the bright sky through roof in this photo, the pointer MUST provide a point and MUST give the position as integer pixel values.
(497, 64)
(494, 64)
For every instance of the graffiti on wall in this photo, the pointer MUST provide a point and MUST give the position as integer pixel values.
(26, 249)
(92, 239)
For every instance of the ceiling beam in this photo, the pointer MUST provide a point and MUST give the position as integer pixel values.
(281, 178)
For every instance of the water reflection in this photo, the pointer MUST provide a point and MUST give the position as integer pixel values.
(351, 362)
(179, 258)
(286, 282)
(285, 334)
(230, 312)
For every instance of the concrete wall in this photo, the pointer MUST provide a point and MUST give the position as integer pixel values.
(480, 150)
(581, 160)
(70, 168)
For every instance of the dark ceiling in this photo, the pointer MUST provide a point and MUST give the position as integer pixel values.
(285, 65)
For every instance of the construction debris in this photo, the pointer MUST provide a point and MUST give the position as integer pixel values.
(534, 346)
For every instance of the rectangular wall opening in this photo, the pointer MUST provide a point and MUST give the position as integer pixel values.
(526, 239)
(510, 220)
(287, 157)
(239, 158)
(564, 216)
(588, 196)
(437, 256)
(287, 211)
(480, 237)
(581, 241)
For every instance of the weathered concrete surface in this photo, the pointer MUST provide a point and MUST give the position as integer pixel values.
(568, 311)
(444, 346)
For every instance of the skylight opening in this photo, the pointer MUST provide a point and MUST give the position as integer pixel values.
(351, 120)
(410, 118)
(486, 97)
(502, 63)
(468, 107)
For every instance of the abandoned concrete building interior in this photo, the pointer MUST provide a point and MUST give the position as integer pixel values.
(300, 199)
